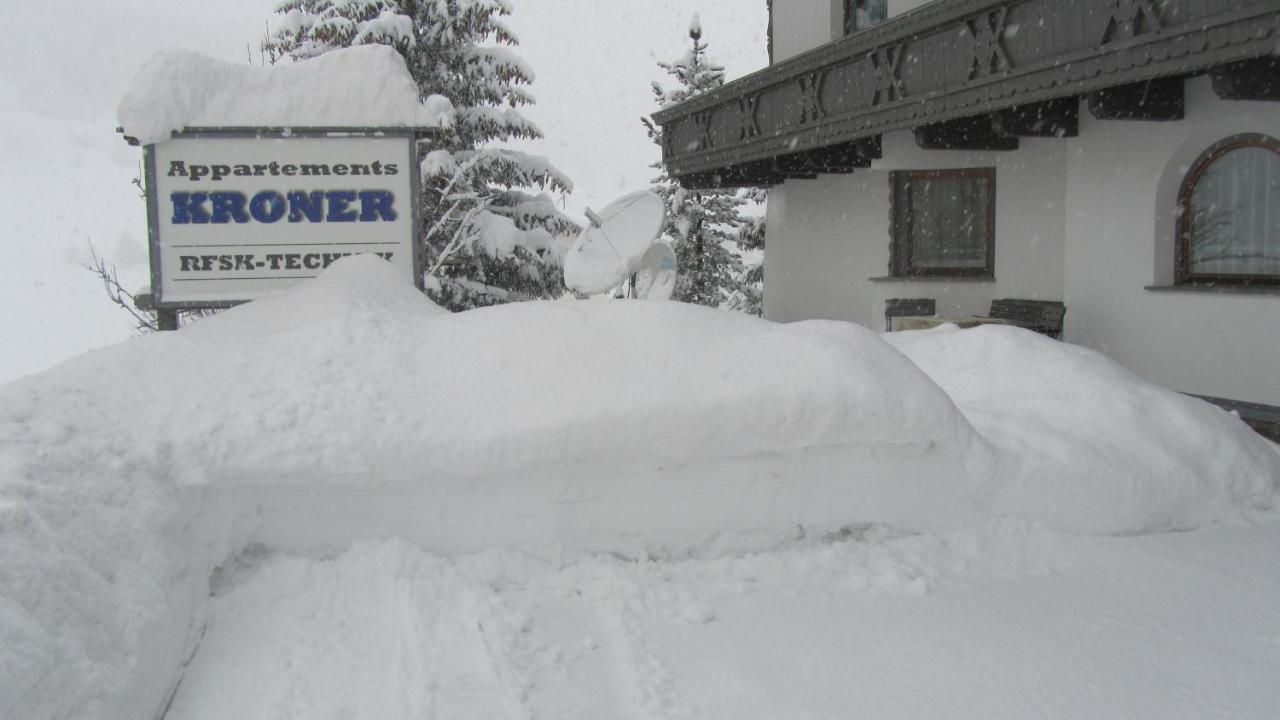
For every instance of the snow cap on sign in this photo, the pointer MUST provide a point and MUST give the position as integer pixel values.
(363, 86)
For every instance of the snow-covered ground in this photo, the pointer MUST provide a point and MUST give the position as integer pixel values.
(995, 622)
(342, 502)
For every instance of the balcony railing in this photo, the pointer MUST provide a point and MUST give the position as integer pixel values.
(969, 74)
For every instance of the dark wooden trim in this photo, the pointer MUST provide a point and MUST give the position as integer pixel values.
(963, 58)
(1212, 288)
(1052, 118)
(902, 189)
(974, 133)
(1264, 419)
(1183, 273)
(1255, 79)
(1158, 99)
(768, 4)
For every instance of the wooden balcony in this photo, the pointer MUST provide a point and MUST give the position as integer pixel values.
(970, 74)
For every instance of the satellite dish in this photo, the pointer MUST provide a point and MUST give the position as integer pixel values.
(610, 249)
(656, 274)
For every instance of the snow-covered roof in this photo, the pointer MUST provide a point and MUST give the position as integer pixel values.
(363, 86)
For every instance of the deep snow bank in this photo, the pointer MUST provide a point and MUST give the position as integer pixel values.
(351, 408)
(363, 86)
(1085, 445)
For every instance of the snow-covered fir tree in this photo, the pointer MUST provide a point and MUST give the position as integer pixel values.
(491, 232)
(707, 228)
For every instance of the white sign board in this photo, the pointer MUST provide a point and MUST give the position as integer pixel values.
(236, 217)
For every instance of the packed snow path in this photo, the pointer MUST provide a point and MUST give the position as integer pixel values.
(1000, 622)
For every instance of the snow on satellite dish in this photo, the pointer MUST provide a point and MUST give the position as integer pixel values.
(610, 249)
(656, 274)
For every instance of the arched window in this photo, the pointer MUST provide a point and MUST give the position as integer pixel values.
(1229, 214)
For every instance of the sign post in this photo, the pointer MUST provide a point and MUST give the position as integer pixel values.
(237, 214)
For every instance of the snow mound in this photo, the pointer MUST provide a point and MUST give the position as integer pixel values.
(363, 86)
(351, 408)
(357, 378)
(1085, 445)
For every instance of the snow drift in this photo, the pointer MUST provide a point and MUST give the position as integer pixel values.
(352, 409)
(363, 86)
(1087, 446)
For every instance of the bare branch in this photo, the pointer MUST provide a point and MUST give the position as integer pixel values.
(145, 321)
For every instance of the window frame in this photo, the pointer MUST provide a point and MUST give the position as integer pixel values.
(1182, 265)
(902, 186)
(850, 17)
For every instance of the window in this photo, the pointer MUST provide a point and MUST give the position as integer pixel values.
(862, 14)
(943, 223)
(1229, 214)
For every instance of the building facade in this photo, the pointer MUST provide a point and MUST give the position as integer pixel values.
(1120, 156)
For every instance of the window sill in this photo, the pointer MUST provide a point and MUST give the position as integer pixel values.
(933, 278)
(1218, 289)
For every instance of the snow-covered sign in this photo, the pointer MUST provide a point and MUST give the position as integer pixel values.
(236, 217)
(259, 177)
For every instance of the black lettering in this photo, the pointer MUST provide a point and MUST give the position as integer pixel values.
(290, 170)
(292, 262)
(219, 172)
(377, 167)
(225, 262)
(177, 168)
(259, 170)
(315, 169)
(275, 168)
(207, 261)
(197, 172)
(187, 263)
(275, 261)
(330, 258)
(359, 169)
(244, 262)
(243, 171)
(392, 168)
(311, 261)
(339, 169)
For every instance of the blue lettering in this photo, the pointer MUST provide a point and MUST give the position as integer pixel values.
(267, 206)
(310, 205)
(339, 200)
(188, 208)
(228, 206)
(377, 202)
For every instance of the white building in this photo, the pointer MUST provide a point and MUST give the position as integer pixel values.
(1119, 156)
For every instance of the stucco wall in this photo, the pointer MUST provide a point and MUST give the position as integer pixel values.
(827, 237)
(800, 25)
(1122, 184)
(1089, 220)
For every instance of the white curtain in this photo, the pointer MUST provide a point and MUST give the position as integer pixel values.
(1235, 215)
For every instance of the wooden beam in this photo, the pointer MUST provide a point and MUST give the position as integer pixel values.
(1256, 79)
(1052, 118)
(971, 133)
(1161, 99)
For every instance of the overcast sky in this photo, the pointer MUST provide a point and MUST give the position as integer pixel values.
(65, 176)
